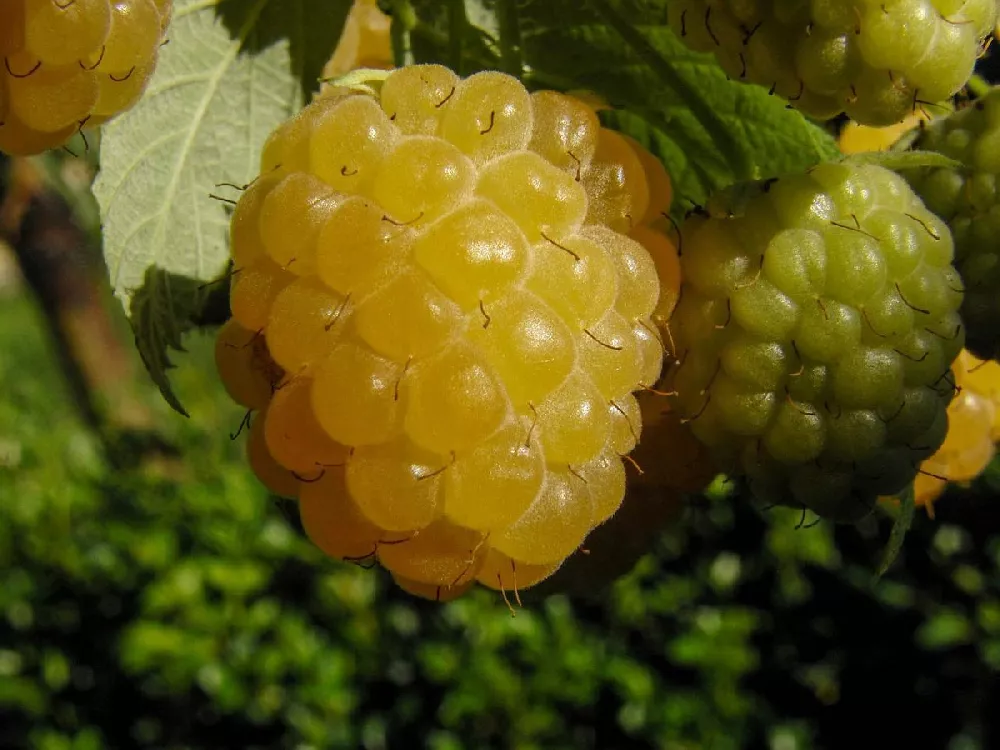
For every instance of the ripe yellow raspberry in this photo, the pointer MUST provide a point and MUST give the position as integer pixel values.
(973, 429)
(457, 282)
(72, 65)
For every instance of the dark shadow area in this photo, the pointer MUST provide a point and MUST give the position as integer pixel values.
(311, 28)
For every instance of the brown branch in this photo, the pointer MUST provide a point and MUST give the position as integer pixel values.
(68, 280)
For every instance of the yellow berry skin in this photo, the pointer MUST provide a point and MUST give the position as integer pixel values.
(489, 115)
(500, 573)
(616, 185)
(454, 400)
(658, 183)
(576, 277)
(414, 97)
(423, 178)
(638, 286)
(245, 242)
(288, 147)
(609, 353)
(397, 485)
(565, 132)
(573, 422)
(245, 368)
(545, 202)
(605, 478)
(52, 97)
(983, 377)
(116, 93)
(355, 395)
(668, 271)
(12, 31)
(554, 525)
(291, 216)
(626, 424)
(348, 142)
(490, 486)
(134, 34)
(408, 317)
(17, 139)
(651, 351)
(333, 522)
(58, 33)
(276, 478)
(442, 554)
(431, 591)
(357, 250)
(527, 344)
(253, 291)
(474, 253)
(306, 322)
(293, 435)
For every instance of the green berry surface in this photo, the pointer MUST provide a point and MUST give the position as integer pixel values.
(814, 336)
(875, 60)
(967, 199)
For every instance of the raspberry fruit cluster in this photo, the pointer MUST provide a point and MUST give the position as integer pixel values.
(444, 296)
(973, 429)
(968, 200)
(70, 64)
(815, 334)
(877, 61)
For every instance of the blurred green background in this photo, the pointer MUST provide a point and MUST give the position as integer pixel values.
(167, 602)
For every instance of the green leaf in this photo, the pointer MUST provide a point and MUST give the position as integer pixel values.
(161, 312)
(708, 131)
(233, 70)
(907, 508)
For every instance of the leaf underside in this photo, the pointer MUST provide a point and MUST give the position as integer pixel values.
(232, 71)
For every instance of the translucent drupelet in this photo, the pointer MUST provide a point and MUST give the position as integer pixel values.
(71, 65)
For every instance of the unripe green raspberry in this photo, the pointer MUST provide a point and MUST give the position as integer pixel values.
(814, 336)
(967, 199)
(876, 61)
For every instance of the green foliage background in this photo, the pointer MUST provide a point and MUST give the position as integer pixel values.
(177, 606)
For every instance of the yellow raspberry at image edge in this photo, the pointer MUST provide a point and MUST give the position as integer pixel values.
(973, 429)
(70, 66)
(459, 334)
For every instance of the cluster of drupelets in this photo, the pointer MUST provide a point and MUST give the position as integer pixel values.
(444, 297)
(875, 60)
(72, 64)
(815, 334)
(968, 199)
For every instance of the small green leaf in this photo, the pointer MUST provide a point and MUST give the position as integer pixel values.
(907, 508)
(161, 311)
(234, 69)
